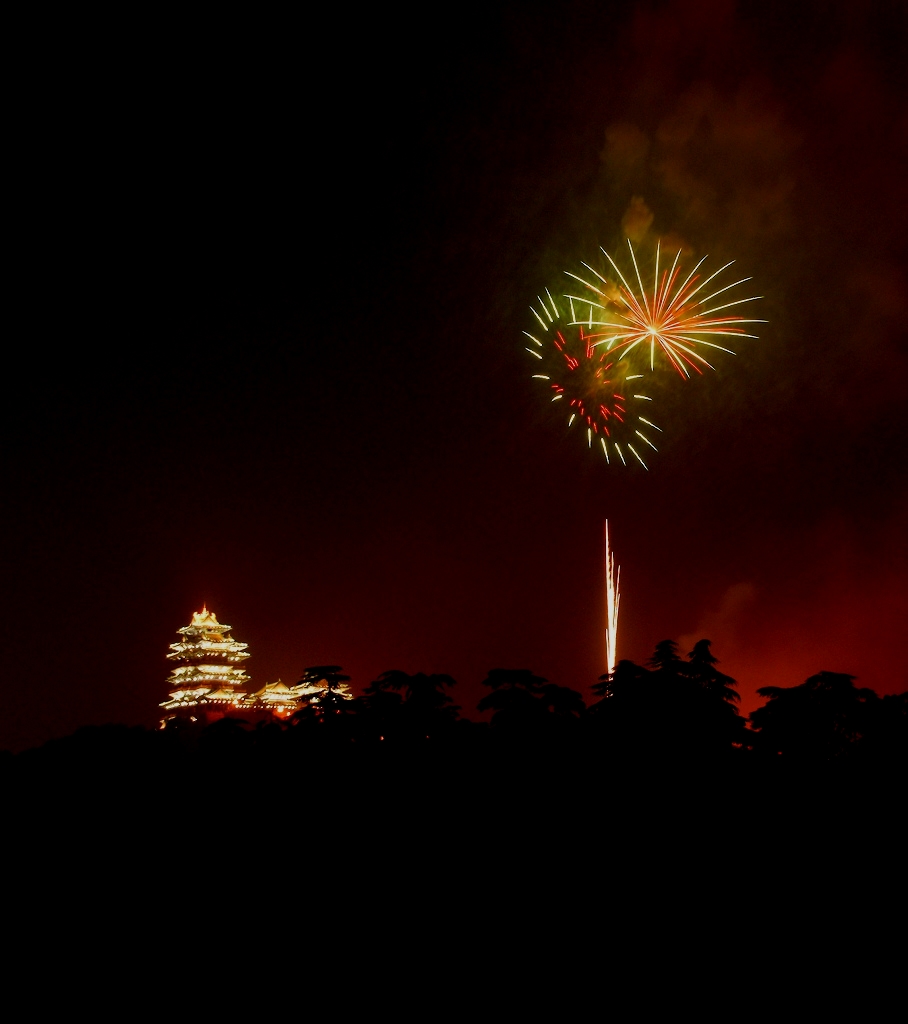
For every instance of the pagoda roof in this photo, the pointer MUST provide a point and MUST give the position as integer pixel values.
(206, 619)
(276, 687)
(205, 623)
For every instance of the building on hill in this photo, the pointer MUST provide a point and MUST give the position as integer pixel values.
(208, 681)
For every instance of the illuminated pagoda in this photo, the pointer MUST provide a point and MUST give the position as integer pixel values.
(207, 681)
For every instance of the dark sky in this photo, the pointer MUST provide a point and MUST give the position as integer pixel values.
(272, 283)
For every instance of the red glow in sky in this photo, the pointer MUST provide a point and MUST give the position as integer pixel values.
(273, 358)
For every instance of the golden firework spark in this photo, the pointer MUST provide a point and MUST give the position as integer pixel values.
(612, 602)
(669, 318)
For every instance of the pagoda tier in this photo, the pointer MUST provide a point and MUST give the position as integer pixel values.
(189, 677)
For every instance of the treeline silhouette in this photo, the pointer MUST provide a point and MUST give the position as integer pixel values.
(657, 795)
(672, 719)
(657, 785)
(656, 792)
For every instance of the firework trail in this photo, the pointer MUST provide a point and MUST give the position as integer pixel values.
(670, 319)
(612, 600)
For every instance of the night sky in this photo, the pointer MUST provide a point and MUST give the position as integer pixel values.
(271, 282)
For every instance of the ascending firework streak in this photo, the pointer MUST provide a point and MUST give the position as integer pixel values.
(612, 600)
(671, 318)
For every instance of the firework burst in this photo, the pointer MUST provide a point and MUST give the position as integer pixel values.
(671, 319)
(592, 383)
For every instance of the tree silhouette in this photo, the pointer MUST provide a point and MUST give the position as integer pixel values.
(702, 670)
(630, 722)
(885, 744)
(822, 719)
(674, 710)
(628, 682)
(720, 726)
(665, 660)
(328, 704)
(417, 707)
(381, 713)
(524, 704)
(325, 684)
